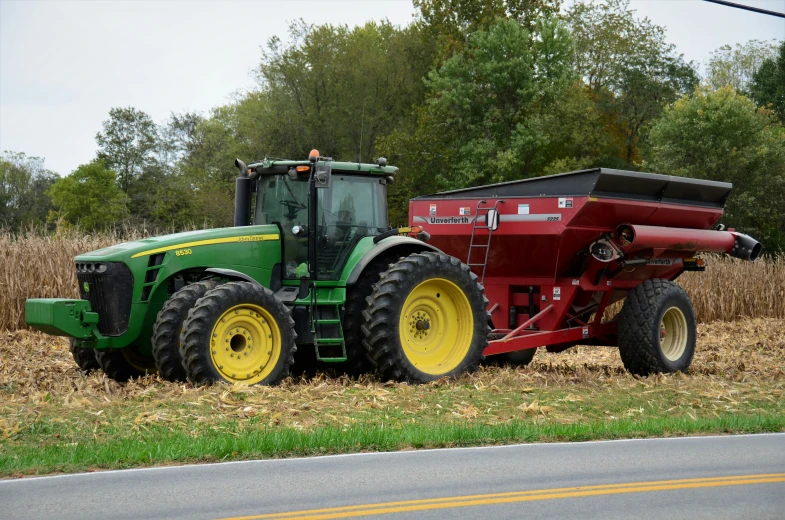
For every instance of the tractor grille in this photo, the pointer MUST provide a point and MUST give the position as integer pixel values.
(109, 290)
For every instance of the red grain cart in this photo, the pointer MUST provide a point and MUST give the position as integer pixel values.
(553, 252)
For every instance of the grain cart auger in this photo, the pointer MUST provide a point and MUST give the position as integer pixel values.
(309, 244)
(554, 252)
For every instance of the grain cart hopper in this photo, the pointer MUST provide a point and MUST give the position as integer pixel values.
(310, 241)
(554, 252)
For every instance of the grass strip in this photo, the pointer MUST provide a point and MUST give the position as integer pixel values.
(159, 445)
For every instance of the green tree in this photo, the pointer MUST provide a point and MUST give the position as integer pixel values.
(721, 135)
(489, 106)
(127, 144)
(736, 66)
(449, 23)
(768, 84)
(89, 198)
(631, 69)
(23, 185)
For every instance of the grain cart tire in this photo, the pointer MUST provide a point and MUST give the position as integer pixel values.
(657, 329)
(169, 325)
(122, 364)
(359, 361)
(241, 333)
(84, 357)
(426, 319)
(519, 358)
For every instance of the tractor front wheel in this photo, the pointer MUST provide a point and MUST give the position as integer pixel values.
(426, 319)
(238, 332)
(169, 325)
(657, 329)
(84, 357)
(122, 364)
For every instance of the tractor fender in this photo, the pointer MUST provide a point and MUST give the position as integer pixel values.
(231, 273)
(406, 245)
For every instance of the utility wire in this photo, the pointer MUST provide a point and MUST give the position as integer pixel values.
(747, 8)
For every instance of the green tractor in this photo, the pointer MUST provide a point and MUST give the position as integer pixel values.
(310, 265)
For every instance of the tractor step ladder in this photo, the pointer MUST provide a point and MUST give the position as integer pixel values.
(317, 327)
(482, 210)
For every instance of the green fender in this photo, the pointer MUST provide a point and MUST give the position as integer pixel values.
(368, 251)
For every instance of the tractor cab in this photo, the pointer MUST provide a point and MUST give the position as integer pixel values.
(323, 209)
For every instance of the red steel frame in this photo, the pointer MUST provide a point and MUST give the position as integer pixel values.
(535, 254)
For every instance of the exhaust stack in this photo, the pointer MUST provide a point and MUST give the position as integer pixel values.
(242, 196)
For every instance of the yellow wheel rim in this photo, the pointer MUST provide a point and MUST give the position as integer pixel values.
(245, 344)
(673, 334)
(138, 361)
(436, 326)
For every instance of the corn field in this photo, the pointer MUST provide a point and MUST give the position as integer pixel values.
(38, 266)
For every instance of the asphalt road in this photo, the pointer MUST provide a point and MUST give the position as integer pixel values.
(696, 478)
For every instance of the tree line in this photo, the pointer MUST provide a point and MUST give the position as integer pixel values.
(471, 92)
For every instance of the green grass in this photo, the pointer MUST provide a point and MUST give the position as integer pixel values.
(236, 441)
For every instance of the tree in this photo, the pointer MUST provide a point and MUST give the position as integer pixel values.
(335, 89)
(721, 135)
(768, 84)
(449, 23)
(631, 69)
(127, 144)
(23, 185)
(736, 66)
(177, 138)
(490, 102)
(89, 198)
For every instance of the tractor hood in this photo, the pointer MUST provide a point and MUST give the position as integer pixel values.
(182, 241)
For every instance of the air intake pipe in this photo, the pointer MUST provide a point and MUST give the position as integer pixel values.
(242, 195)
(632, 238)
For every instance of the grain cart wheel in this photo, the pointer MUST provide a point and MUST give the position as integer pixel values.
(657, 329)
(84, 357)
(122, 364)
(169, 325)
(238, 332)
(519, 358)
(426, 319)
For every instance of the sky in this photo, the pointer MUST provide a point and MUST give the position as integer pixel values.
(64, 63)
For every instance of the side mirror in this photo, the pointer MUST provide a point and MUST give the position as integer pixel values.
(322, 175)
(492, 219)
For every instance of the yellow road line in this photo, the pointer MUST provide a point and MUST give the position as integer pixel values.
(245, 238)
(405, 506)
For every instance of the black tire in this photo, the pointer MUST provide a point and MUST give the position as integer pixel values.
(198, 349)
(519, 358)
(84, 357)
(122, 364)
(644, 341)
(385, 306)
(169, 325)
(358, 360)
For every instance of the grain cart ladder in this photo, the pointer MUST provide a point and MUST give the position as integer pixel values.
(489, 225)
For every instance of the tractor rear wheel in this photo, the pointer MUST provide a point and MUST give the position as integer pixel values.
(359, 361)
(122, 364)
(241, 333)
(426, 319)
(84, 357)
(169, 325)
(657, 329)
